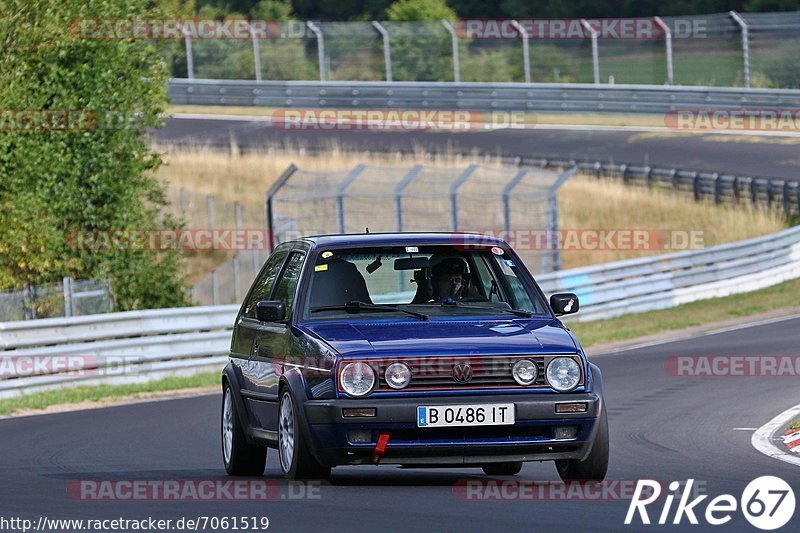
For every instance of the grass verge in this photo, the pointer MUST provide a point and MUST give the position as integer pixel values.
(700, 313)
(101, 393)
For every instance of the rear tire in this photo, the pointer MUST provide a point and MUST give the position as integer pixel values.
(240, 457)
(502, 469)
(595, 466)
(295, 458)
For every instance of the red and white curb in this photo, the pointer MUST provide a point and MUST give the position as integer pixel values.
(792, 440)
(763, 437)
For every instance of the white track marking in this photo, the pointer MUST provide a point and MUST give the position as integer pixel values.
(762, 438)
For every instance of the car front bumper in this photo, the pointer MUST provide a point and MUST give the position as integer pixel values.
(531, 438)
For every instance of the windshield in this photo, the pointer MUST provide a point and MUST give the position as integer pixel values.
(429, 280)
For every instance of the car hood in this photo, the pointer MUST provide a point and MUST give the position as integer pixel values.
(485, 337)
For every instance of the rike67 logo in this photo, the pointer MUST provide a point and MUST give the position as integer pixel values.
(767, 503)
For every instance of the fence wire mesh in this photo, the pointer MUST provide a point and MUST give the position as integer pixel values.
(67, 298)
(705, 49)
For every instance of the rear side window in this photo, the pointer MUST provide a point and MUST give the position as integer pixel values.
(262, 288)
(288, 283)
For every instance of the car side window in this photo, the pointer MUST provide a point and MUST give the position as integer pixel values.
(288, 280)
(262, 288)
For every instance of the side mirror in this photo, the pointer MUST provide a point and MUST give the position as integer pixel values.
(564, 303)
(270, 311)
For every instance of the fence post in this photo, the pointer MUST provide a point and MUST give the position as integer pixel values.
(769, 193)
(797, 198)
(340, 190)
(595, 53)
(454, 42)
(28, 302)
(398, 194)
(507, 199)
(648, 176)
(786, 198)
(623, 170)
(187, 38)
(68, 305)
(736, 192)
(552, 222)
(387, 51)
(282, 179)
(674, 179)
(668, 42)
(696, 185)
(753, 191)
(210, 210)
(745, 46)
(184, 201)
(526, 58)
(256, 53)
(457, 183)
(214, 288)
(717, 191)
(320, 48)
(237, 293)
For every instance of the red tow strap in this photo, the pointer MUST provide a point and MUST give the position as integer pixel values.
(380, 448)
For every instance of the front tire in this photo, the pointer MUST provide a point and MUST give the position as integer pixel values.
(595, 466)
(503, 469)
(295, 458)
(240, 457)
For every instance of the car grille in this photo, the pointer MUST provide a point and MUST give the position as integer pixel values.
(438, 373)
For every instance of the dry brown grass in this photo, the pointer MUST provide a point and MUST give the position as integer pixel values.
(584, 202)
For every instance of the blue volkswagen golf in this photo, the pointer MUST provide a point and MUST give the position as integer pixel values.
(413, 349)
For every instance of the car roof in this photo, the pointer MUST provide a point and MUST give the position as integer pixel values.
(404, 238)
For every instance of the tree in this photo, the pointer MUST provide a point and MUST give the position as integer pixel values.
(420, 10)
(86, 166)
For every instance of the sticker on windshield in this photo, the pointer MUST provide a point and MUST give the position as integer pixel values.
(496, 250)
(510, 263)
(318, 268)
(326, 255)
(412, 249)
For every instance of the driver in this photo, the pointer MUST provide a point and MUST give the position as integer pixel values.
(449, 279)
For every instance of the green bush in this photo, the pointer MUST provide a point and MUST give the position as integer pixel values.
(97, 174)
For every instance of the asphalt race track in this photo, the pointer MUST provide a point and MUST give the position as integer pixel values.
(738, 154)
(663, 427)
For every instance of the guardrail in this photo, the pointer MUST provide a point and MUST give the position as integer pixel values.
(112, 348)
(478, 96)
(145, 345)
(665, 281)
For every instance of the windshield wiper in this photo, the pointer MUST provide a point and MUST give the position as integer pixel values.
(519, 312)
(356, 306)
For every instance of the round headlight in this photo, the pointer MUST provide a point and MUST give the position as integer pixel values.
(563, 373)
(524, 372)
(398, 376)
(357, 378)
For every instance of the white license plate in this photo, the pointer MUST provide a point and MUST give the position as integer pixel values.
(465, 415)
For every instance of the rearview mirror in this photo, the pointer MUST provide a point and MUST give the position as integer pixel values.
(564, 303)
(412, 263)
(270, 311)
